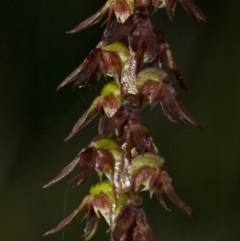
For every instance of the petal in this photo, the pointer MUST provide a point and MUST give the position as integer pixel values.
(122, 10)
(110, 105)
(143, 225)
(136, 131)
(152, 91)
(123, 223)
(170, 7)
(111, 23)
(142, 177)
(164, 50)
(136, 39)
(123, 29)
(91, 225)
(161, 201)
(102, 203)
(148, 36)
(110, 64)
(116, 121)
(155, 182)
(158, 3)
(142, 31)
(104, 162)
(102, 123)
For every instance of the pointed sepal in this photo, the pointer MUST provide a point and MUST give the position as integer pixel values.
(69, 218)
(91, 20)
(87, 117)
(83, 74)
(173, 108)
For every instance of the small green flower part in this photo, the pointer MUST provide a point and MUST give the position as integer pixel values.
(106, 144)
(111, 88)
(153, 74)
(146, 160)
(119, 48)
(102, 187)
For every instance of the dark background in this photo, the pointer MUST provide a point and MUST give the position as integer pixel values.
(37, 54)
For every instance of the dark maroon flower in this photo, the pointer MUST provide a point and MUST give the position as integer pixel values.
(85, 72)
(149, 170)
(139, 30)
(85, 161)
(154, 85)
(106, 104)
(189, 6)
(131, 224)
(164, 184)
(98, 201)
(97, 155)
(173, 108)
(98, 61)
(164, 51)
(127, 115)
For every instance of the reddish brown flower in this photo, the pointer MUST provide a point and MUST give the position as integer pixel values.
(173, 108)
(131, 224)
(164, 51)
(149, 170)
(101, 154)
(98, 61)
(189, 6)
(127, 115)
(106, 104)
(138, 28)
(85, 161)
(99, 200)
(154, 85)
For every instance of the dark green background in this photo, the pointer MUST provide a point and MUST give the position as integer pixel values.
(36, 55)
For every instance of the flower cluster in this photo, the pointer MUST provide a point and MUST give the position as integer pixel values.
(123, 154)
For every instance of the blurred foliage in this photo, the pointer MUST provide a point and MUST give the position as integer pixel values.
(36, 55)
